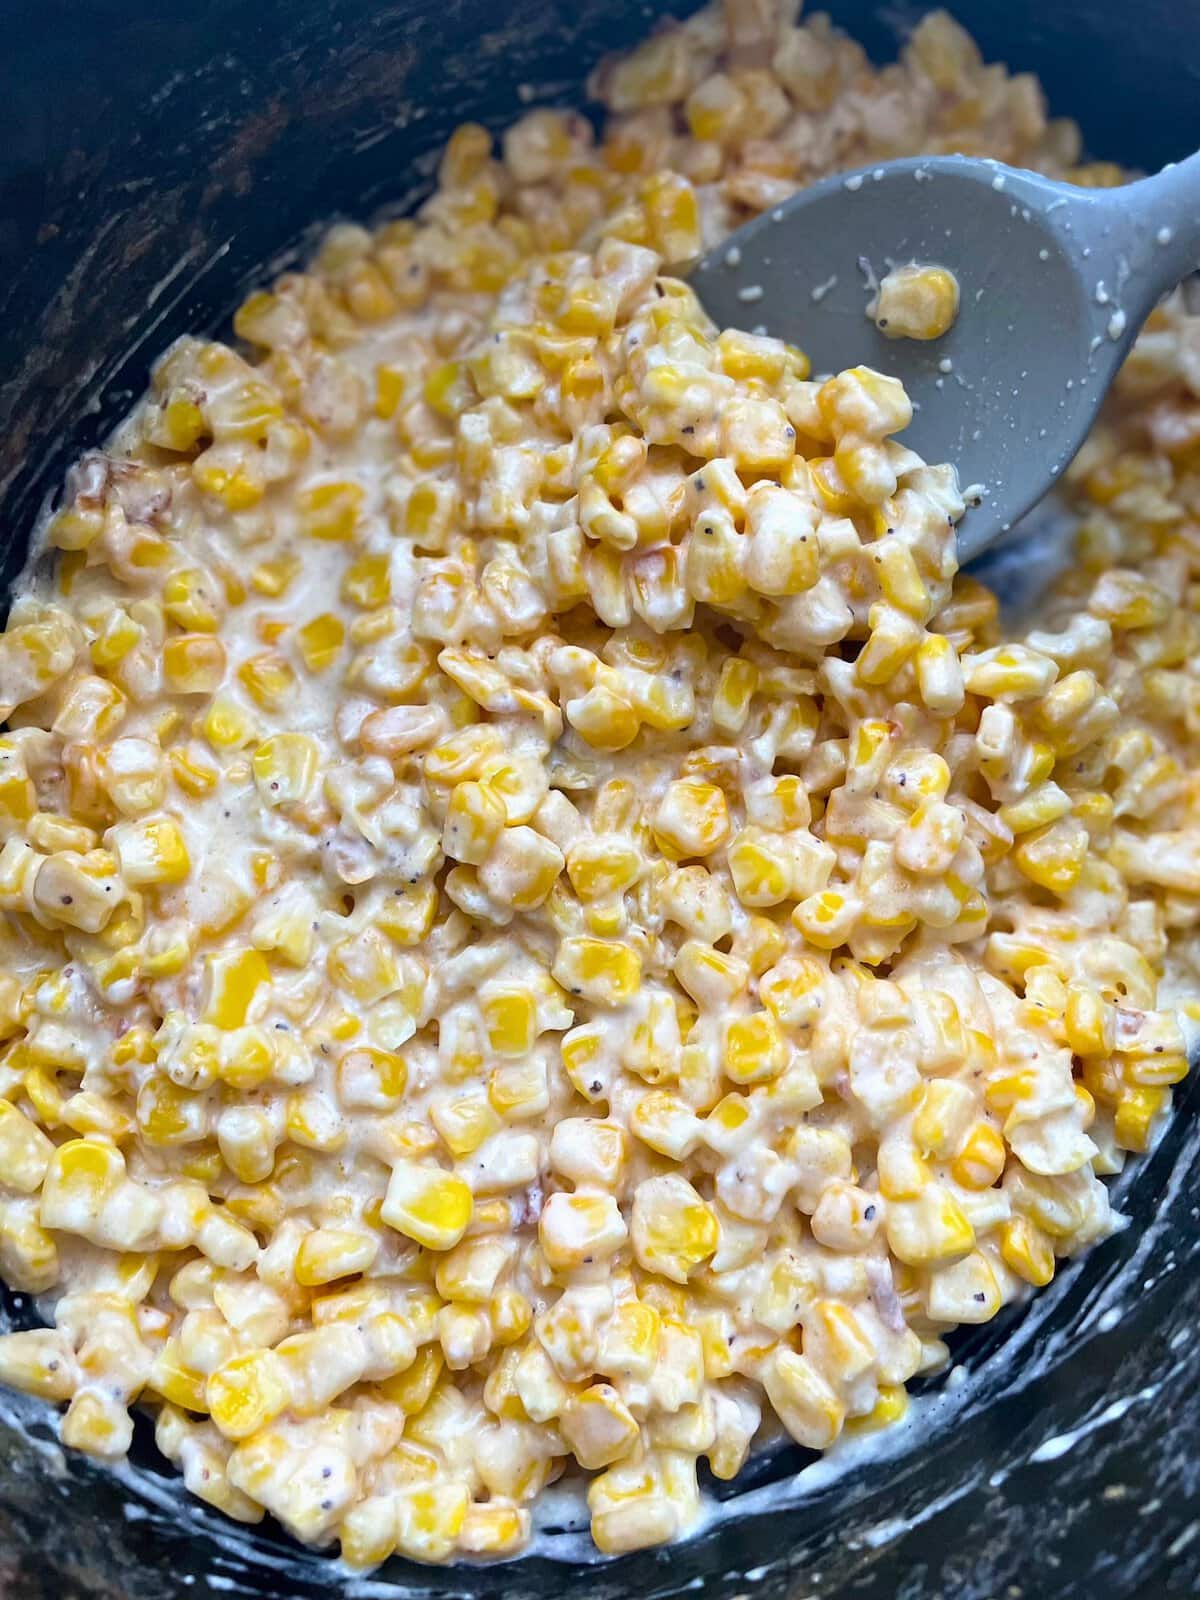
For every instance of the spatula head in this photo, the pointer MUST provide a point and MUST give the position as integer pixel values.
(1008, 393)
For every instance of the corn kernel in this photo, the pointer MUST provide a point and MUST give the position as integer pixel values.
(247, 1392)
(327, 1254)
(601, 971)
(428, 1205)
(672, 1229)
(754, 1048)
(234, 978)
(331, 511)
(194, 663)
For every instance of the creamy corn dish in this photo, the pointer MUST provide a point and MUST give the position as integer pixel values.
(546, 929)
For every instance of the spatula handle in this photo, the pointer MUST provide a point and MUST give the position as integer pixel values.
(1155, 225)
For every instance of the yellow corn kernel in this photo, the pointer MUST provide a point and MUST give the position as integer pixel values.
(754, 1049)
(1090, 1021)
(430, 1518)
(673, 214)
(116, 639)
(89, 1112)
(692, 820)
(365, 966)
(1136, 1113)
(464, 1123)
(711, 977)
(367, 292)
(939, 675)
(177, 1383)
(520, 1089)
(604, 718)
(836, 496)
(943, 1118)
(193, 663)
(928, 1229)
(577, 1229)
(234, 978)
(225, 725)
(320, 641)
(428, 1205)
(327, 1254)
(168, 1115)
(915, 302)
(449, 390)
(469, 1273)
(826, 918)
(98, 1425)
(890, 1406)
(193, 775)
(46, 1098)
(267, 319)
(429, 514)
(285, 767)
(189, 598)
(312, 1121)
(734, 692)
(1027, 1251)
(408, 916)
(371, 1079)
(602, 971)
(18, 797)
(599, 1427)
(331, 511)
(367, 582)
(631, 1340)
(493, 1529)
(391, 381)
(475, 818)
(25, 1151)
(511, 1315)
(1053, 856)
(785, 806)
(81, 1172)
(28, 1254)
(243, 411)
(463, 756)
(247, 1392)
(151, 851)
(980, 1162)
(410, 1390)
(274, 578)
(845, 1350)
(760, 871)
(1036, 808)
(1157, 1071)
(802, 1399)
(672, 1228)
(666, 1123)
(510, 1022)
(600, 867)
(268, 680)
(75, 527)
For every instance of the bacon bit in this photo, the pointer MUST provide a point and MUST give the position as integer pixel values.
(527, 1208)
(883, 1295)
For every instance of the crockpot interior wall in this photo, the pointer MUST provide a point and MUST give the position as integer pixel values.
(156, 161)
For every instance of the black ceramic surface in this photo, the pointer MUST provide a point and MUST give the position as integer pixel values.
(154, 163)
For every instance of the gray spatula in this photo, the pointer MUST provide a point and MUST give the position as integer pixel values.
(1055, 282)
